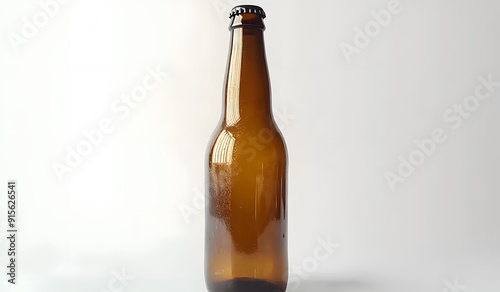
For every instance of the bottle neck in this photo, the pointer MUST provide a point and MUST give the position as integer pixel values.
(247, 90)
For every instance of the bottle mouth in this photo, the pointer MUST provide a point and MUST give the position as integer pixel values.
(247, 16)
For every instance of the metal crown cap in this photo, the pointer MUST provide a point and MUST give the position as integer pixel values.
(240, 9)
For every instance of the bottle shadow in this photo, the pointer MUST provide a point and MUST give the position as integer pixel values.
(341, 285)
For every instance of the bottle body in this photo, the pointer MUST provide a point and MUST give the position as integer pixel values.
(246, 220)
(246, 177)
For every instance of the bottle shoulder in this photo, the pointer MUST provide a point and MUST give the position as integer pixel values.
(243, 141)
(240, 132)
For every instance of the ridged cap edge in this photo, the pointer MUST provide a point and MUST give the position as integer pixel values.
(240, 9)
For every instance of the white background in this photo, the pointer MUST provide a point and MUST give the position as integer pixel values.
(345, 123)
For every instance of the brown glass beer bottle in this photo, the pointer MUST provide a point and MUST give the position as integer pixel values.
(246, 204)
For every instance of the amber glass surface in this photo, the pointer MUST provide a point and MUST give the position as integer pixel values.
(246, 207)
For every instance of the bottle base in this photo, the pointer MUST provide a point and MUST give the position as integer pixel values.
(246, 285)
